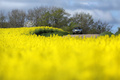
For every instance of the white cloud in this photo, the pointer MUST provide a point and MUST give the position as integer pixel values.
(84, 3)
(102, 15)
(97, 14)
(10, 5)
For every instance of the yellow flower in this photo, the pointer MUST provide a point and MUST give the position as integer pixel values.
(30, 57)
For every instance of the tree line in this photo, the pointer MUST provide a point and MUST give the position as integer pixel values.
(55, 17)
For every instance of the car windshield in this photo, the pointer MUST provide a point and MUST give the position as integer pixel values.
(77, 28)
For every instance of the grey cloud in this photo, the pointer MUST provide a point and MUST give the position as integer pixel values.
(73, 4)
(95, 4)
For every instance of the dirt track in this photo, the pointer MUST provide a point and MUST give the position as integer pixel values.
(86, 35)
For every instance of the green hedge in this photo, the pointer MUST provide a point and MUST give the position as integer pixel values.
(106, 33)
(118, 32)
(49, 31)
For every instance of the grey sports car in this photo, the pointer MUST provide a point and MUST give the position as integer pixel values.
(77, 30)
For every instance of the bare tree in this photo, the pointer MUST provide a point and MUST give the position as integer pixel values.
(55, 17)
(83, 20)
(102, 26)
(36, 15)
(16, 18)
(48, 16)
(59, 17)
(2, 20)
(87, 23)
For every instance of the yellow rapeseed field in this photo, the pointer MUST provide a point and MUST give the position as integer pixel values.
(24, 56)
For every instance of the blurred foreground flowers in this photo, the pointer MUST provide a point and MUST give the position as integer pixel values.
(31, 57)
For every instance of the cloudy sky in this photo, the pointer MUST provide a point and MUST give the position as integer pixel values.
(105, 10)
